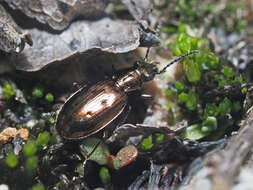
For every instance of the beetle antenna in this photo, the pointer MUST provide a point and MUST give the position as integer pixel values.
(178, 59)
(146, 56)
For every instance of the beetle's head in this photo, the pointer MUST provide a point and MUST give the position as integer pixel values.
(149, 70)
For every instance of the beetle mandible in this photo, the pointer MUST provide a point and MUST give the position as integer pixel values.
(87, 112)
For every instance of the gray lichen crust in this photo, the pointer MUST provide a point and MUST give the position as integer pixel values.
(11, 38)
(59, 13)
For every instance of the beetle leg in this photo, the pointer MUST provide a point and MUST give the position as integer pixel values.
(76, 86)
(113, 69)
(88, 155)
(129, 108)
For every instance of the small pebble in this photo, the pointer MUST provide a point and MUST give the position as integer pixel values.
(4, 187)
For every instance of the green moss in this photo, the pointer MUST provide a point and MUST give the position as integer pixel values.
(11, 160)
(192, 70)
(179, 86)
(30, 148)
(159, 138)
(194, 132)
(8, 91)
(43, 138)
(168, 105)
(192, 101)
(244, 90)
(104, 175)
(210, 124)
(241, 24)
(147, 143)
(228, 72)
(238, 79)
(208, 58)
(51, 120)
(37, 92)
(31, 163)
(182, 28)
(183, 97)
(169, 93)
(49, 97)
(38, 186)
(211, 110)
(225, 107)
(184, 43)
(116, 164)
(168, 29)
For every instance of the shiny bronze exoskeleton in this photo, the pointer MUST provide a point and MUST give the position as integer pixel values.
(88, 111)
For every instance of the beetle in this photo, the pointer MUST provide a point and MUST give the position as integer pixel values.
(88, 111)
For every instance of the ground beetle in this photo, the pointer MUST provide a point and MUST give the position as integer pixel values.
(88, 111)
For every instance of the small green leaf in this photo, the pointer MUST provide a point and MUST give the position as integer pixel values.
(30, 148)
(100, 154)
(169, 92)
(51, 120)
(168, 105)
(192, 70)
(49, 97)
(192, 101)
(31, 163)
(244, 90)
(225, 107)
(176, 50)
(159, 138)
(43, 138)
(11, 160)
(37, 92)
(147, 143)
(8, 91)
(210, 124)
(238, 79)
(211, 110)
(182, 28)
(38, 186)
(194, 132)
(208, 58)
(179, 86)
(105, 175)
(116, 164)
(228, 72)
(183, 97)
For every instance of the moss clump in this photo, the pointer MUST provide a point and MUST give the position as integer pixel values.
(37, 92)
(159, 138)
(49, 97)
(204, 72)
(8, 91)
(11, 160)
(192, 101)
(38, 186)
(183, 97)
(147, 143)
(43, 138)
(104, 175)
(31, 163)
(30, 148)
(179, 86)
